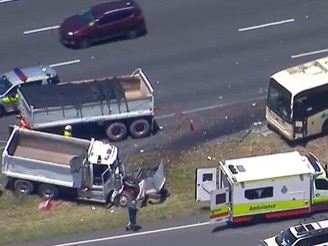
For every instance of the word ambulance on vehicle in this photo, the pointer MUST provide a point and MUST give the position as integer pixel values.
(263, 187)
(10, 81)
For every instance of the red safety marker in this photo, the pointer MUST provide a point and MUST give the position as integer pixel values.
(191, 125)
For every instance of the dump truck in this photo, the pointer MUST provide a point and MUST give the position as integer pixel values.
(264, 187)
(121, 106)
(53, 165)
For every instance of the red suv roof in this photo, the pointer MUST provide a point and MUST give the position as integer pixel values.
(102, 8)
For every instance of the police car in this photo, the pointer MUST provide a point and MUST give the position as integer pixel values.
(313, 233)
(10, 81)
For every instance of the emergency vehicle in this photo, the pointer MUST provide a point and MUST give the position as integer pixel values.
(263, 187)
(10, 81)
(306, 233)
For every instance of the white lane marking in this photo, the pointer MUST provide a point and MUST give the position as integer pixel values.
(133, 234)
(309, 53)
(65, 63)
(266, 25)
(41, 29)
(6, 1)
(195, 110)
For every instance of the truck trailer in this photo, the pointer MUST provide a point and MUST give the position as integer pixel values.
(51, 165)
(263, 187)
(121, 106)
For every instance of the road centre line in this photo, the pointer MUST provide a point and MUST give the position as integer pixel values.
(41, 29)
(133, 234)
(309, 53)
(65, 63)
(266, 25)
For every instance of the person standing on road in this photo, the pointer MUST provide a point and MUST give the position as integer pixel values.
(68, 131)
(132, 210)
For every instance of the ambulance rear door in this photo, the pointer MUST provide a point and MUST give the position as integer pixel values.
(220, 205)
(206, 181)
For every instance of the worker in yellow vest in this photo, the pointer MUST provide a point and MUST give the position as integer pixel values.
(68, 131)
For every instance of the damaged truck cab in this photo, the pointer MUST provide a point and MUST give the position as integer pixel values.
(51, 165)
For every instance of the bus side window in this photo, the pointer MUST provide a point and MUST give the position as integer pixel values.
(299, 110)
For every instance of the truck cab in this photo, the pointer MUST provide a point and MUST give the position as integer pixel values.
(12, 80)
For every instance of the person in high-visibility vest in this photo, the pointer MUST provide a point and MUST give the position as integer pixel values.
(68, 131)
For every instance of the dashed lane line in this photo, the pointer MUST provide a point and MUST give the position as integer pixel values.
(41, 29)
(266, 25)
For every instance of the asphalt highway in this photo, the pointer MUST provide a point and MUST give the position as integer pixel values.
(189, 231)
(208, 60)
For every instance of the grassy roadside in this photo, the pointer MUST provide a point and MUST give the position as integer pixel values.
(21, 220)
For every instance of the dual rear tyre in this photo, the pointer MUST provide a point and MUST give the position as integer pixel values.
(25, 188)
(138, 129)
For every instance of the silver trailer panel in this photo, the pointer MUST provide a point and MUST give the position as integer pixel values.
(41, 157)
(137, 101)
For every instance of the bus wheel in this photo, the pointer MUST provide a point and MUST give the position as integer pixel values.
(325, 127)
(140, 128)
(116, 131)
(23, 187)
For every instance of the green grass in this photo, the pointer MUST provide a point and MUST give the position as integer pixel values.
(22, 221)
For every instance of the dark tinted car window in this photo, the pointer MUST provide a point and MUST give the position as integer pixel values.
(318, 239)
(115, 16)
(87, 17)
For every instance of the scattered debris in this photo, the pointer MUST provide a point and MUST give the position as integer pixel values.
(253, 104)
(257, 123)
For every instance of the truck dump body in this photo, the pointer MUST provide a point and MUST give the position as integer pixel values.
(41, 149)
(86, 101)
(41, 156)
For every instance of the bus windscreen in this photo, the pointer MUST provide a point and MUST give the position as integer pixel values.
(279, 100)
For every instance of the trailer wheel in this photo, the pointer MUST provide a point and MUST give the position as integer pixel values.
(23, 187)
(140, 128)
(48, 191)
(116, 131)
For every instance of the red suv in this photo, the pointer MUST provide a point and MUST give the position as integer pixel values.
(123, 18)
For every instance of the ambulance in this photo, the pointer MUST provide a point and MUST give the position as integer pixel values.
(263, 187)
